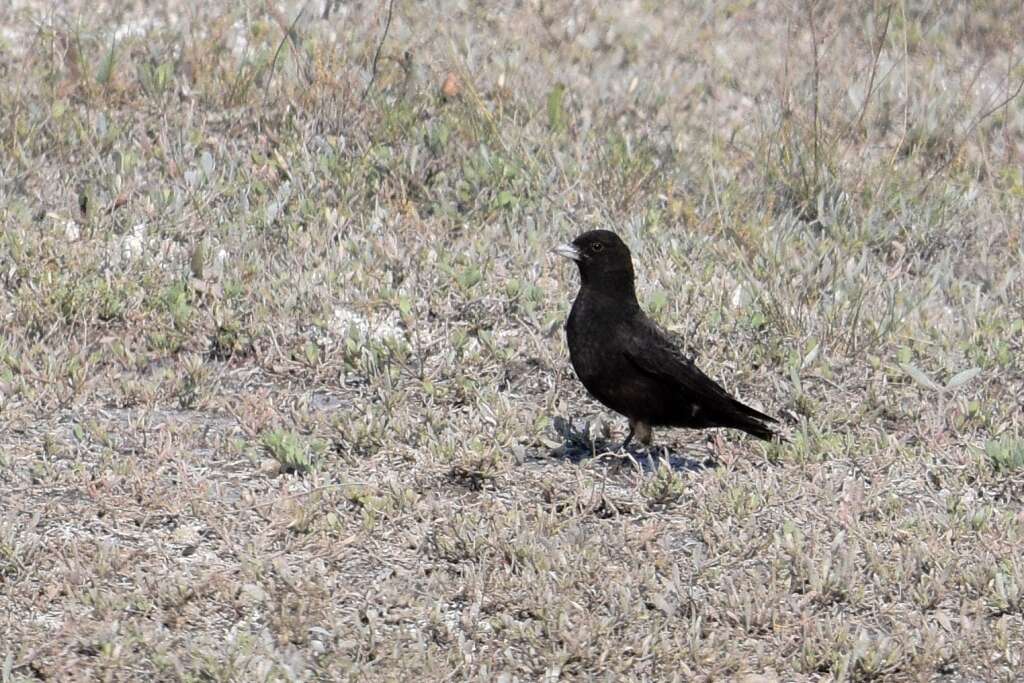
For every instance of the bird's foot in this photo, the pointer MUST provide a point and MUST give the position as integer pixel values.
(629, 437)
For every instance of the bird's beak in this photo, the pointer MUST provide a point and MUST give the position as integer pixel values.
(569, 251)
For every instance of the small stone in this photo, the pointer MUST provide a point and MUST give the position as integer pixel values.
(252, 594)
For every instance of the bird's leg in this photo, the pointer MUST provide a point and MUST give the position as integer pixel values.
(643, 432)
(629, 437)
(623, 450)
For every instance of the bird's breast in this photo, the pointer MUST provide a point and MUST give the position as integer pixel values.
(592, 336)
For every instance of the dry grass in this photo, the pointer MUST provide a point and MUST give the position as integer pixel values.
(284, 392)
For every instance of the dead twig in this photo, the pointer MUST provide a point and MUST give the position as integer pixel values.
(290, 34)
(380, 46)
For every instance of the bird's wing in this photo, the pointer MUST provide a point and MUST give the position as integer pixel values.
(651, 351)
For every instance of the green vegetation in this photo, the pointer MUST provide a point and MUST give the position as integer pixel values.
(284, 393)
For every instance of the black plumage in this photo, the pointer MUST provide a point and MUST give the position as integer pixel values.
(628, 363)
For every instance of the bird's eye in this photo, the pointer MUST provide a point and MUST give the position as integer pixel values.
(596, 246)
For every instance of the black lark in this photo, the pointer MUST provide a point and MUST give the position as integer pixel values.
(628, 363)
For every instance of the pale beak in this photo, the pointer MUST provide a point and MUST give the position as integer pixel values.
(569, 251)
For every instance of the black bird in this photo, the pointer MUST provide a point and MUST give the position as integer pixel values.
(628, 363)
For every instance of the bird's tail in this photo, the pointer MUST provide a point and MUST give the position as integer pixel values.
(753, 422)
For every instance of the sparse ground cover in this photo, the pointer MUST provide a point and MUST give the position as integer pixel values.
(284, 392)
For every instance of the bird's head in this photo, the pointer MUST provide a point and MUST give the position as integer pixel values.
(603, 259)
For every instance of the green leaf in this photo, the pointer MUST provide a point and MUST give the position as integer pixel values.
(404, 306)
(962, 377)
(794, 378)
(918, 376)
(198, 261)
(811, 356)
(505, 199)
(470, 276)
(904, 355)
(556, 109)
(658, 302)
(207, 163)
(106, 69)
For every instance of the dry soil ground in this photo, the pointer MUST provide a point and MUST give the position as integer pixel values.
(284, 393)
